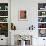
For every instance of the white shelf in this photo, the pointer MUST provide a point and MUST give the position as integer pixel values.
(3, 22)
(3, 10)
(3, 16)
(41, 10)
(41, 22)
(42, 16)
(41, 28)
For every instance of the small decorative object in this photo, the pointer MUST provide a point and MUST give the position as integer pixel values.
(0, 7)
(42, 32)
(31, 27)
(39, 19)
(3, 19)
(42, 25)
(43, 13)
(45, 7)
(13, 27)
(6, 7)
(41, 8)
(3, 26)
(22, 15)
(3, 13)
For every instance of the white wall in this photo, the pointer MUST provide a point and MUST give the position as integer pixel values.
(31, 6)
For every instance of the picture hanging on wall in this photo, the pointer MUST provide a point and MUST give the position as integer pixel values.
(22, 15)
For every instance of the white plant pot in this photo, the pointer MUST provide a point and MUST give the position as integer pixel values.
(22, 43)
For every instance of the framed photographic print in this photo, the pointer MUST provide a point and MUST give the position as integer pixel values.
(22, 15)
